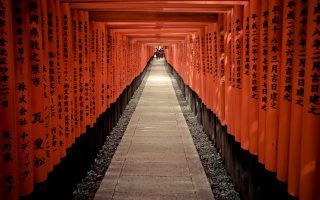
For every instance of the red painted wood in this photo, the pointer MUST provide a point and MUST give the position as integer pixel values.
(298, 81)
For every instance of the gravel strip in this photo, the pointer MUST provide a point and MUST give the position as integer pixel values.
(219, 179)
(91, 183)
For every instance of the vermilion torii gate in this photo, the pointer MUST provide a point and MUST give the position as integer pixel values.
(65, 65)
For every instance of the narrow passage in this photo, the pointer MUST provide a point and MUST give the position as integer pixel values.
(156, 158)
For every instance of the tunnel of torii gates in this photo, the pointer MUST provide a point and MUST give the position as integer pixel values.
(65, 64)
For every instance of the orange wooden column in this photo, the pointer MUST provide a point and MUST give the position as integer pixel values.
(128, 69)
(82, 72)
(274, 68)
(93, 73)
(66, 134)
(98, 70)
(86, 63)
(253, 115)
(285, 89)
(37, 89)
(75, 75)
(245, 79)
(203, 66)
(207, 88)
(210, 79)
(197, 74)
(104, 66)
(109, 69)
(129, 61)
(310, 151)
(198, 64)
(228, 71)
(113, 69)
(119, 65)
(123, 66)
(117, 73)
(298, 82)
(215, 68)
(188, 62)
(263, 74)
(46, 88)
(55, 85)
(238, 53)
(232, 70)
(61, 128)
(221, 70)
(22, 102)
(9, 178)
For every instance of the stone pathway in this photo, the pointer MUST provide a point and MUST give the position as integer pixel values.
(156, 158)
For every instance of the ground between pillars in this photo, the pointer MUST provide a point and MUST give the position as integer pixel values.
(90, 184)
(218, 177)
(220, 181)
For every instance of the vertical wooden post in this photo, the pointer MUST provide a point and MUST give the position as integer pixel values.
(46, 88)
(75, 75)
(245, 79)
(274, 68)
(285, 89)
(82, 71)
(9, 179)
(54, 86)
(253, 115)
(263, 75)
(298, 83)
(66, 134)
(86, 63)
(309, 188)
(61, 128)
(22, 98)
(36, 73)
(238, 70)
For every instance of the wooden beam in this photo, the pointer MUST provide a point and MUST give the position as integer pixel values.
(212, 2)
(163, 10)
(162, 38)
(150, 7)
(154, 25)
(112, 16)
(163, 30)
(141, 35)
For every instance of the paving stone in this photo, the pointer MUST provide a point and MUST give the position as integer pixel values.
(155, 184)
(155, 169)
(148, 196)
(156, 157)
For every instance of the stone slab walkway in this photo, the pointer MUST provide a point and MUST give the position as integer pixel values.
(156, 158)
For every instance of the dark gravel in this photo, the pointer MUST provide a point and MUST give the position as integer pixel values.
(219, 179)
(90, 184)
